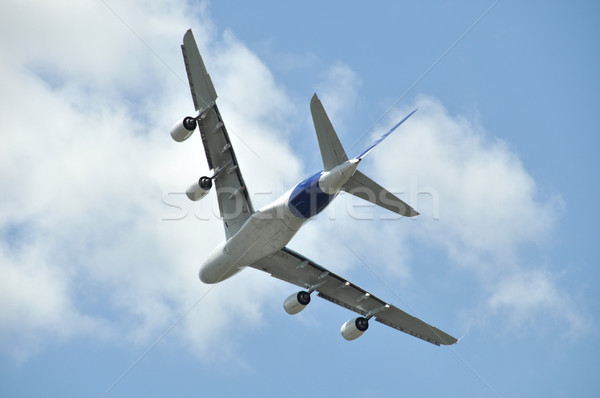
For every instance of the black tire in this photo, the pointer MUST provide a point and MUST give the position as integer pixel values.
(303, 297)
(189, 123)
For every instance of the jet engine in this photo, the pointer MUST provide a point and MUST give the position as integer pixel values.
(183, 129)
(296, 302)
(354, 328)
(199, 189)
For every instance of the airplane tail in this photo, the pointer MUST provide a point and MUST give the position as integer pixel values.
(365, 188)
(332, 152)
(359, 185)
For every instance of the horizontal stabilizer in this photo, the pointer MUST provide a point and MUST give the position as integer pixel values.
(363, 187)
(332, 152)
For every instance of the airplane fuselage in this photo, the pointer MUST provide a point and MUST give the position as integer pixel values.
(272, 227)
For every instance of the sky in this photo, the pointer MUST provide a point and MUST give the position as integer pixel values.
(100, 250)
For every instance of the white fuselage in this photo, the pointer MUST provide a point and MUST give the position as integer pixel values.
(272, 227)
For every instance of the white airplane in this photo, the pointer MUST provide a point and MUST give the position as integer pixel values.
(257, 239)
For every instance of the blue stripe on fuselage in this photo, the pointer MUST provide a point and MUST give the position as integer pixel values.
(307, 199)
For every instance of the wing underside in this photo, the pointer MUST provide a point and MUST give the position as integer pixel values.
(232, 195)
(294, 268)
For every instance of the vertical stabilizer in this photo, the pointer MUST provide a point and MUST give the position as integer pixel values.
(332, 152)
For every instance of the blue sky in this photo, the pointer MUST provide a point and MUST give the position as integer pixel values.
(500, 160)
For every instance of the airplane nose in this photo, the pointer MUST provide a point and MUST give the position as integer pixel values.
(219, 266)
(203, 275)
(209, 269)
(209, 272)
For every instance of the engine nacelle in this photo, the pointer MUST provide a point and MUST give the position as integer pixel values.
(183, 129)
(199, 189)
(296, 302)
(354, 328)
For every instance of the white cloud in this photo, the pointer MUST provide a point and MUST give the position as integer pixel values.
(531, 297)
(338, 90)
(86, 160)
(37, 304)
(85, 111)
(479, 204)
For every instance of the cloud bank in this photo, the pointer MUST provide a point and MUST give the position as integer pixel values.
(88, 164)
(481, 206)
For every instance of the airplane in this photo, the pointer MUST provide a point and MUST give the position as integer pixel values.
(258, 239)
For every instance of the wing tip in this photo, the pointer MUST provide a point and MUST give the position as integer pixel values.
(449, 340)
(314, 100)
(413, 213)
(459, 339)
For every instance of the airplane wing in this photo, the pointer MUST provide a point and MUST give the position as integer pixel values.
(365, 188)
(294, 268)
(234, 202)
